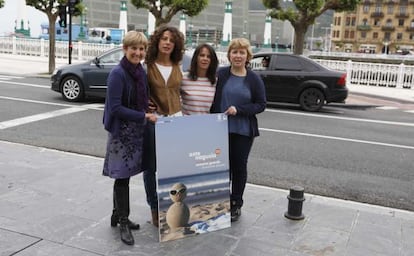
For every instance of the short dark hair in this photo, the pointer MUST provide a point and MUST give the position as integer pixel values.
(211, 71)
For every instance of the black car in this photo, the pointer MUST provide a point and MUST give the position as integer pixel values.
(297, 79)
(76, 81)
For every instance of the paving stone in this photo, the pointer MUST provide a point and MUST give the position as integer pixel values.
(12, 242)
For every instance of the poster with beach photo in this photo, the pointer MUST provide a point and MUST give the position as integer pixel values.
(192, 175)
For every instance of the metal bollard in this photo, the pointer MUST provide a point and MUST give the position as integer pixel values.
(296, 199)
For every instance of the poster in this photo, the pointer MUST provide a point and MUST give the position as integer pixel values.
(192, 175)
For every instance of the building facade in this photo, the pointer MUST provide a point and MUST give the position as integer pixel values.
(248, 20)
(376, 26)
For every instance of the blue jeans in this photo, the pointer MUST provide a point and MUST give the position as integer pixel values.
(239, 150)
(149, 165)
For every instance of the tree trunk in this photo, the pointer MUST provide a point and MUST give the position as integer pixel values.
(299, 39)
(52, 42)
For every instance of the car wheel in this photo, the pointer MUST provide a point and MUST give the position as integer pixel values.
(72, 89)
(312, 99)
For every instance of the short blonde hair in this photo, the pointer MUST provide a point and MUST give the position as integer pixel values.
(133, 38)
(240, 43)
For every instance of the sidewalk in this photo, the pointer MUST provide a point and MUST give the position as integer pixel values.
(28, 65)
(57, 203)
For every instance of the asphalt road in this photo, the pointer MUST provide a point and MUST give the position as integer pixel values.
(361, 150)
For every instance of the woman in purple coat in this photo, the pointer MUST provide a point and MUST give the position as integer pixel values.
(125, 117)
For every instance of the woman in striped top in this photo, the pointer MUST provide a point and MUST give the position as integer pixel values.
(199, 83)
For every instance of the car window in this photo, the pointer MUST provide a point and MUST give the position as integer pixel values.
(259, 63)
(286, 62)
(112, 58)
(309, 65)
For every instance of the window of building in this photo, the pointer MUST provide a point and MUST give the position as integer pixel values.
(375, 35)
(378, 7)
(403, 9)
(387, 36)
(377, 22)
(400, 22)
(339, 21)
(352, 34)
(363, 34)
(353, 22)
(412, 24)
(365, 9)
(346, 34)
(388, 23)
(364, 22)
(390, 9)
(411, 36)
(348, 21)
(399, 36)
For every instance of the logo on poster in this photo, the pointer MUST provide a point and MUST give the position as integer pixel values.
(207, 160)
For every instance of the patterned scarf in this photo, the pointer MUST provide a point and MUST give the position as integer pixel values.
(139, 91)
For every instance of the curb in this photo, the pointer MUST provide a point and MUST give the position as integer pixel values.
(403, 101)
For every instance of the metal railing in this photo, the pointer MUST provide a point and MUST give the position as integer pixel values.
(358, 73)
(376, 74)
(40, 48)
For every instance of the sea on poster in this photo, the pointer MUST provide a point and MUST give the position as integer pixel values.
(193, 175)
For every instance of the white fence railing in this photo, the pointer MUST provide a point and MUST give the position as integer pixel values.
(358, 73)
(40, 47)
(363, 73)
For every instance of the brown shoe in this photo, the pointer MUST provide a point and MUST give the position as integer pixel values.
(155, 220)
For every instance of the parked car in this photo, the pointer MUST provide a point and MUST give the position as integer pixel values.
(77, 81)
(297, 79)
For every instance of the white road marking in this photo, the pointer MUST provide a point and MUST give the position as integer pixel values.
(341, 118)
(95, 106)
(338, 138)
(38, 117)
(34, 118)
(5, 77)
(386, 108)
(409, 111)
(36, 101)
(29, 85)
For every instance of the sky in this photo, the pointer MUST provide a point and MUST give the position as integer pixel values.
(8, 15)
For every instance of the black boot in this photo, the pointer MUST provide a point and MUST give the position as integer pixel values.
(235, 211)
(126, 235)
(122, 207)
(115, 221)
(115, 216)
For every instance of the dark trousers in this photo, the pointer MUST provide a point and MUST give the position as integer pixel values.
(239, 150)
(121, 198)
(149, 165)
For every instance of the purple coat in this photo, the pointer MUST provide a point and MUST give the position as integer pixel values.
(125, 122)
